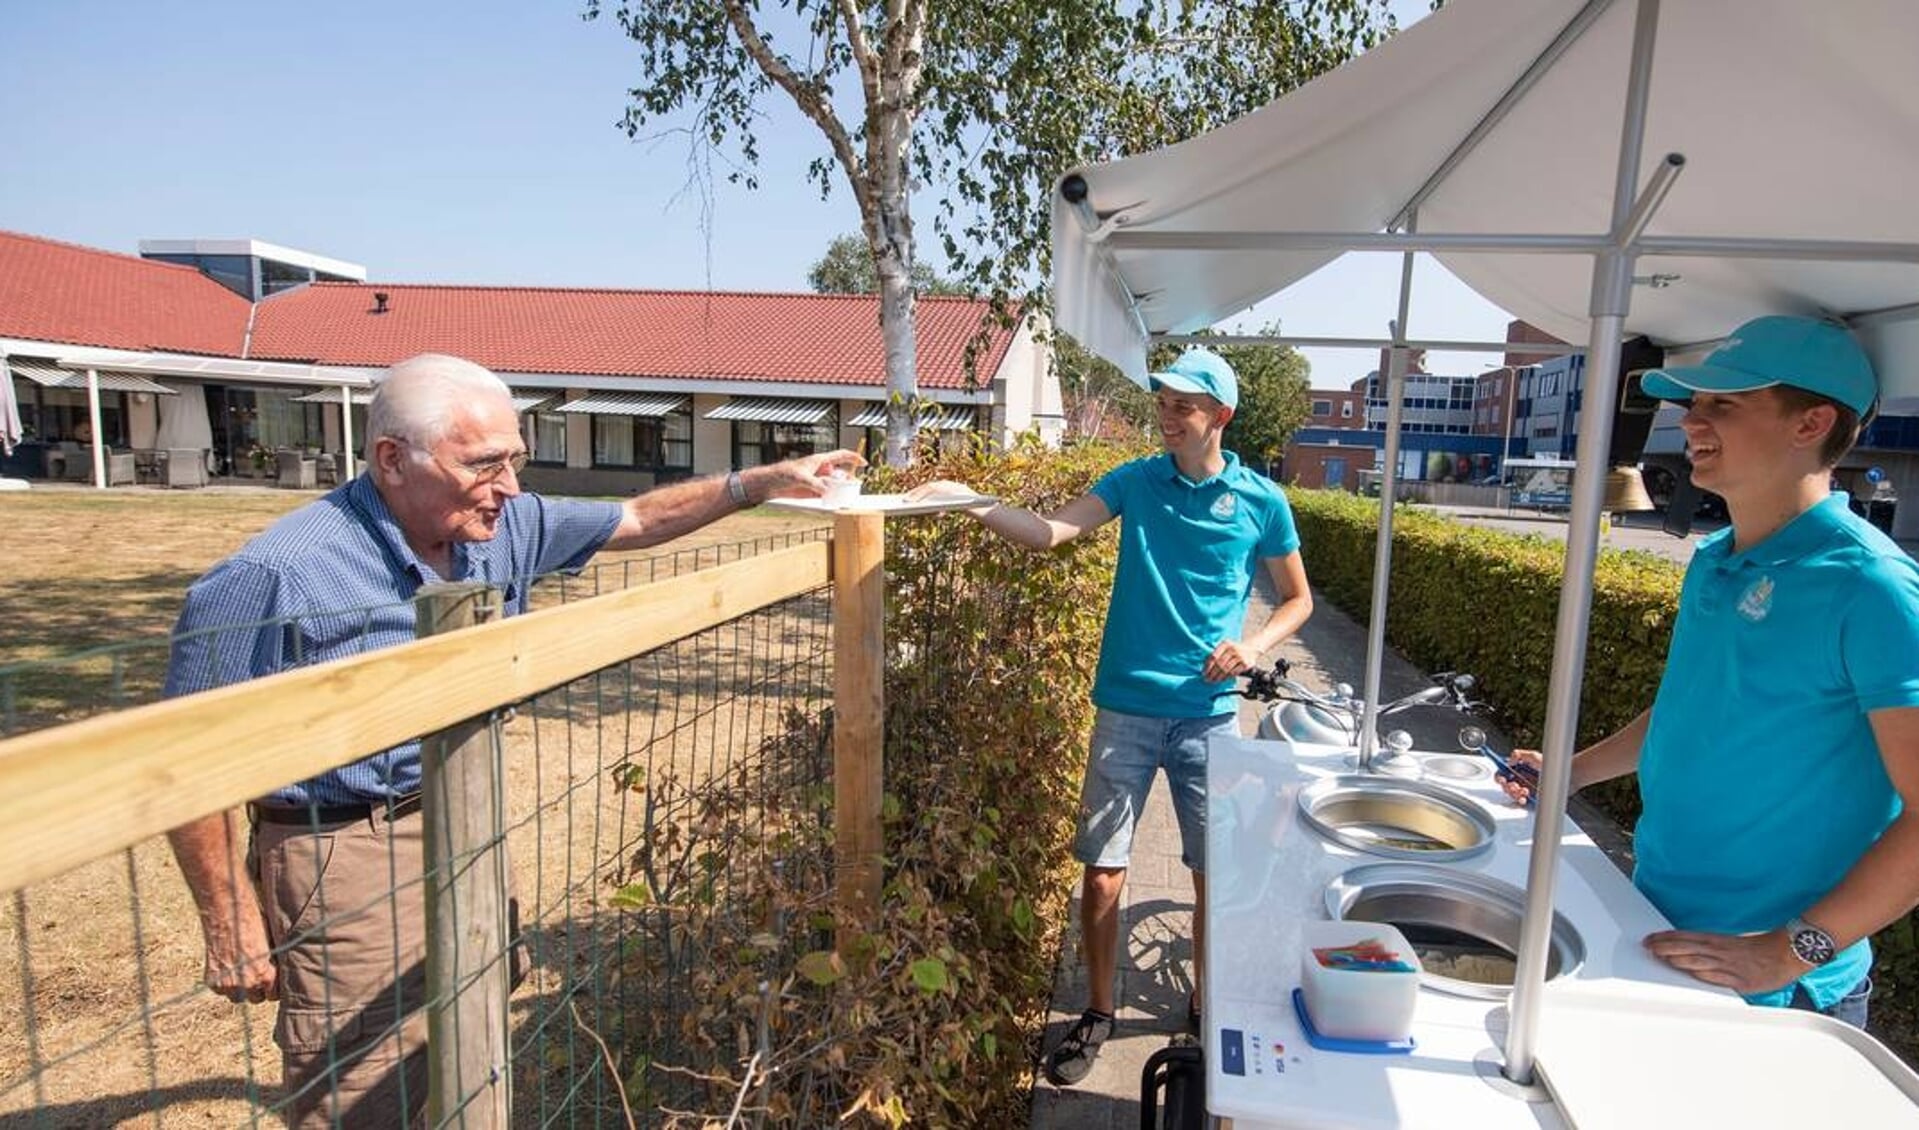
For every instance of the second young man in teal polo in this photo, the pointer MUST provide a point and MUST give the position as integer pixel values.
(1196, 527)
(1780, 758)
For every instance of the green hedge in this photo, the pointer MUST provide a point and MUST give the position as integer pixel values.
(933, 1015)
(1470, 599)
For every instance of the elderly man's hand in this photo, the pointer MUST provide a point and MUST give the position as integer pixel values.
(802, 477)
(1747, 963)
(239, 958)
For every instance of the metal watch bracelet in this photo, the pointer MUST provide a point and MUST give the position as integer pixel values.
(736, 487)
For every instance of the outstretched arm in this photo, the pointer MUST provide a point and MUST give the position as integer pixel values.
(1025, 527)
(1044, 531)
(668, 512)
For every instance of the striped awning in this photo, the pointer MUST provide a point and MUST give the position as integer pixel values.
(332, 396)
(772, 410)
(626, 403)
(39, 372)
(939, 417)
(48, 375)
(527, 401)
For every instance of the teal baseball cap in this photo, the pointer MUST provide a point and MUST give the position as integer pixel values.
(1200, 370)
(1806, 353)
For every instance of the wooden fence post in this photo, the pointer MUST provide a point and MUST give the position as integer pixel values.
(467, 971)
(859, 705)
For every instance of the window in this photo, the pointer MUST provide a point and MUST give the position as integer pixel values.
(276, 276)
(1322, 408)
(1346, 410)
(647, 443)
(279, 422)
(756, 443)
(546, 437)
(53, 414)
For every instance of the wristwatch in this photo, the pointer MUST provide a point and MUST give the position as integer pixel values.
(736, 487)
(1809, 943)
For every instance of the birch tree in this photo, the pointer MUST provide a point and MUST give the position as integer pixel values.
(988, 101)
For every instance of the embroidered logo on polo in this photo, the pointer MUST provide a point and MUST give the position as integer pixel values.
(1225, 505)
(1757, 600)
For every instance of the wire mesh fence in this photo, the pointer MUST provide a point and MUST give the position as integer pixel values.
(664, 782)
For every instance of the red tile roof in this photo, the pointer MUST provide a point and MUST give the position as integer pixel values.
(646, 333)
(61, 292)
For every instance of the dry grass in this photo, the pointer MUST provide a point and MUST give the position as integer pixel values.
(87, 949)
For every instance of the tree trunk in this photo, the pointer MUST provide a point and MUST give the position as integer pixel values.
(892, 95)
(900, 334)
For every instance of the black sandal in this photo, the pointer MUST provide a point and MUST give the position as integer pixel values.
(1074, 1056)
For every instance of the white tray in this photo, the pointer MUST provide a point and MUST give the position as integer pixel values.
(888, 504)
(1623, 1059)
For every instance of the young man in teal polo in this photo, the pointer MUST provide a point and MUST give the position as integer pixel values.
(1781, 753)
(1195, 529)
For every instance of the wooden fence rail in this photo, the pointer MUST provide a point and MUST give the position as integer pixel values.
(74, 793)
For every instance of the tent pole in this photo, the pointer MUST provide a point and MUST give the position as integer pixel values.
(1388, 480)
(1503, 243)
(99, 444)
(1530, 349)
(1611, 299)
(1753, 247)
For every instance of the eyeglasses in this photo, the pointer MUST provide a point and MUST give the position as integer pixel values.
(482, 470)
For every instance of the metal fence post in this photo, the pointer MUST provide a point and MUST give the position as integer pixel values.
(859, 703)
(467, 973)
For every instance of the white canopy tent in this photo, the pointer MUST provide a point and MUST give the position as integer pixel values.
(1795, 121)
(1506, 138)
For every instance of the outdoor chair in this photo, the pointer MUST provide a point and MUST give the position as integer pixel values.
(183, 467)
(296, 470)
(122, 468)
(329, 468)
(79, 461)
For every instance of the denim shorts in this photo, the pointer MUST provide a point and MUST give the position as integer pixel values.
(1851, 1008)
(1127, 750)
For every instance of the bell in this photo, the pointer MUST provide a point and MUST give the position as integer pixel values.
(1625, 490)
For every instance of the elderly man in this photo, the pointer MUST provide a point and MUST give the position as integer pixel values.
(331, 922)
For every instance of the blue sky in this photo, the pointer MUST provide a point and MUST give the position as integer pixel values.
(470, 142)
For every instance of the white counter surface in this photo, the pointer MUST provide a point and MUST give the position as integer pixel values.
(1267, 871)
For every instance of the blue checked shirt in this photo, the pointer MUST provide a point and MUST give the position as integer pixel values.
(336, 578)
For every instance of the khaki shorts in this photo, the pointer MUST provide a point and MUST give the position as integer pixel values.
(345, 911)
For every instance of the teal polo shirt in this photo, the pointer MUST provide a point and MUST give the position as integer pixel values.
(1761, 779)
(1188, 553)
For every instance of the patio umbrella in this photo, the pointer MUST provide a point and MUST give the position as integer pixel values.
(10, 429)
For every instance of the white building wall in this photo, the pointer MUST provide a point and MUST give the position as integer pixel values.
(143, 416)
(712, 439)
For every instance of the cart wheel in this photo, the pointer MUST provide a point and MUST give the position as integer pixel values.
(1180, 1072)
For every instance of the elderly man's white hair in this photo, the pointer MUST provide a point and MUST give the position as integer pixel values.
(415, 400)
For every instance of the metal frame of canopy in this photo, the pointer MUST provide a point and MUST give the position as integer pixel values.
(1614, 254)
